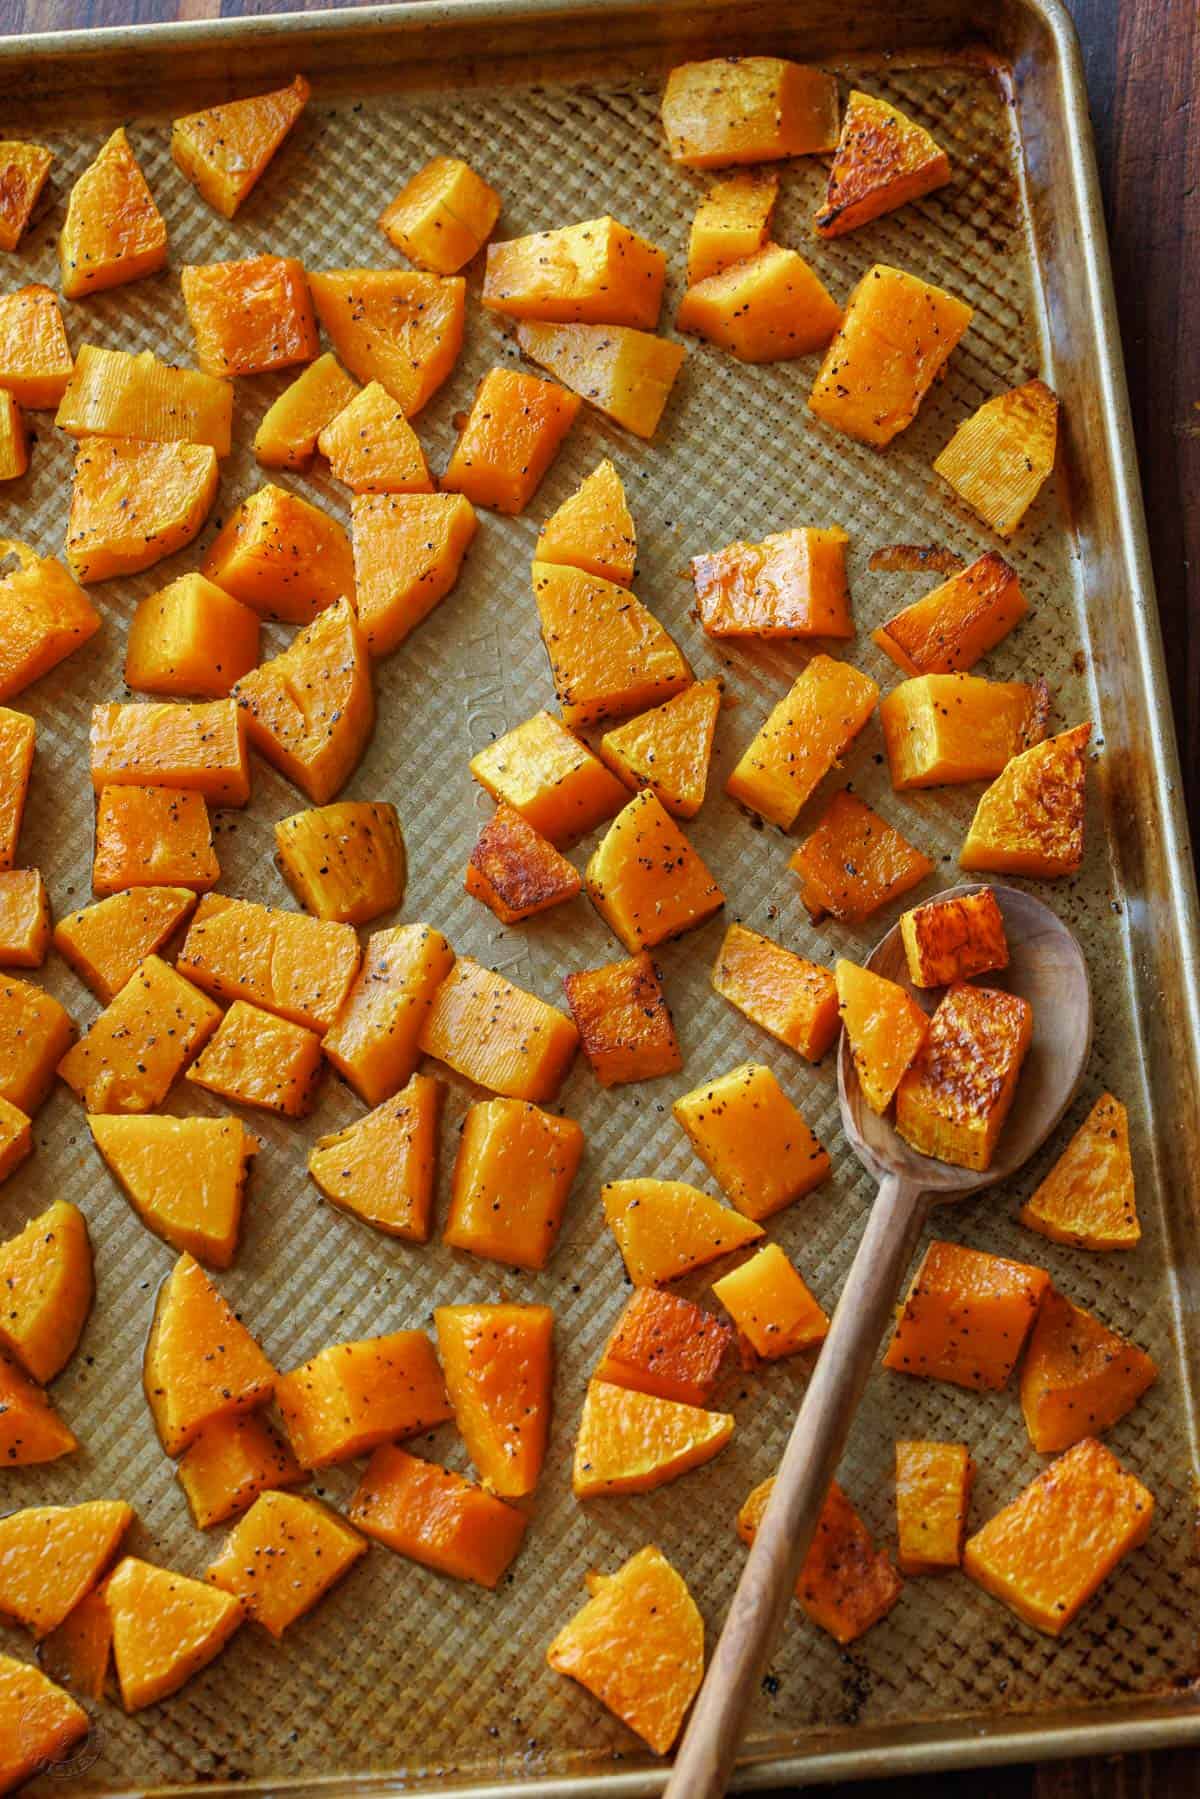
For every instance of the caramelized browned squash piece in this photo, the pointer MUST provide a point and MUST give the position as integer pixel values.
(623, 1020)
(23, 172)
(515, 871)
(883, 160)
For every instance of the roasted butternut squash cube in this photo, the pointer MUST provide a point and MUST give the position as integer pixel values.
(752, 1139)
(25, 922)
(17, 736)
(191, 638)
(346, 861)
(515, 871)
(625, 374)
(736, 109)
(442, 216)
(303, 968)
(79, 1651)
(497, 1035)
(1050, 1548)
(956, 1094)
(14, 439)
(48, 1285)
(794, 999)
(39, 1723)
(623, 1020)
(31, 1431)
(350, 1397)
(597, 272)
(792, 584)
(802, 739)
(436, 1518)
(1030, 821)
(999, 458)
(1078, 1377)
(769, 308)
(113, 393)
(371, 446)
(250, 316)
(1089, 1199)
(637, 1646)
(731, 222)
(511, 436)
(23, 171)
(287, 436)
(933, 1492)
(550, 777)
(372, 1041)
(408, 553)
(499, 1366)
(224, 149)
(283, 556)
(955, 624)
(35, 1033)
(43, 616)
(883, 160)
(966, 1317)
(631, 1442)
(646, 880)
(200, 747)
(895, 338)
(35, 357)
(166, 1628)
(16, 1138)
(310, 709)
(184, 1177)
(667, 750)
(283, 1556)
(771, 1305)
(113, 231)
(382, 1168)
(940, 729)
(512, 1175)
(52, 1555)
(232, 1461)
(854, 862)
(401, 328)
(953, 939)
(884, 1027)
(256, 1058)
(105, 943)
(132, 503)
(132, 1053)
(845, 1585)
(663, 1344)
(664, 1229)
(151, 837)
(593, 529)
(200, 1361)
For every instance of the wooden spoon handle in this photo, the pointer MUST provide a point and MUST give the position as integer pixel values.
(706, 1756)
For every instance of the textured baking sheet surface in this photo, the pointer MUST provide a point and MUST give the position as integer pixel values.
(399, 1670)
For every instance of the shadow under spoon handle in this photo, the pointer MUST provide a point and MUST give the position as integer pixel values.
(706, 1756)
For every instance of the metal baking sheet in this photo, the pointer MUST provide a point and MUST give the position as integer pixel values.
(401, 1679)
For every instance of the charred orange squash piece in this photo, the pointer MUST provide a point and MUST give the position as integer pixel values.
(372, 1041)
(667, 750)
(200, 747)
(200, 1362)
(747, 109)
(250, 316)
(497, 1035)
(346, 861)
(371, 446)
(132, 503)
(884, 1027)
(499, 1367)
(511, 436)
(48, 1285)
(190, 639)
(663, 1344)
(43, 616)
(1030, 820)
(287, 436)
(300, 967)
(79, 1651)
(113, 232)
(795, 1000)
(802, 739)
(35, 357)
(731, 222)
(106, 942)
(1078, 1377)
(631, 1442)
(23, 171)
(954, 939)
(52, 1555)
(966, 1317)
(637, 1646)
(383, 1167)
(998, 459)
(351, 1397)
(845, 1585)
(550, 777)
(953, 1100)
(933, 1492)
(593, 529)
(665, 1228)
(31, 1431)
(256, 1058)
(283, 1557)
(17, 735)
(948, 630)
(113, 393)
(854, 862)
(184, 1177)
(232, 1461)
(940, 729)
(515, 871)
(1088, 1199)
(224, 149)
(442, 216)
(399, 328)
(145, 1037)
(16, 1138)
(310, 709)
(646, 880)
(792, 584)
(25, 923)
(1050, 1548)
(408, 553)
(771, 1305)
(895, 338)
(166, 1628)
(512, 1176)
(436, 1518)
(597, 272)
(883, 160)
(623, 1020)
(283, 556)
(153, 836)
(39, 1723)
(752, 1140)
(35, 1033)
(14, 439)
(769, 308)
(625, 374)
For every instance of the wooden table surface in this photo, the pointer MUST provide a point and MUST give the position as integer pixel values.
(1143, 67)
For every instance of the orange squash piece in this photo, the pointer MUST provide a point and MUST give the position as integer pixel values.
(166, 1628)
(16, 1138)
(184, 1177)
(1078, 1377)
(224, 149)
(35, 1033)
(48, 1286)
(113, 393)
(17, 735)
(283, 1556)
(52, 1555)
(638, 1646)
(113, 232)
(371, 446)
(283, 556)
(511, 436)
(250, 316)
(953, 1099)
(792, 584)
(351, 1397)
(939, 729)
(593, 529)
(769, 308)
(752, 1140)
(31, 1431)
(1088, 1199)
(408, 553)
(664, 1229)
(153, 836)
(631, 1442)
(845, 1585)
(436, 1518)
(14, 439)
(999, 458)
(895, 338)
(952, 626)
(442, 216)
(663, 1344)
(145, 1037)
(646, 880)
(372, 1041)
(953, 939)
(310, 709)
(623, 1020)
(854, 862)
(933, 1492)
(499, 1367)
(794, 999)
(39, 1723)
(25, 922)
(79, 1651)
(287, 436)
(132, 503)
(544, 772)
(200, 1361)
(625, 374)
(105, 943)
(346, 861)
(1031, 819)
(802, 739)
(199, 746)
(966, 1317)
(35, 357)
(23, 171)
(497, 1035)
(597, 272)
(190, 639)
(232, 1460)
(300, 967)
(516, 872)
(884, 1026)
(883, 160)
(771, 1305)
(667, 749)
(1048, 1550)
(389, 325)
(512, 1175)
(43, 617)
(256, 1058)
(737, 109)
(383, 1168)
(731, 222)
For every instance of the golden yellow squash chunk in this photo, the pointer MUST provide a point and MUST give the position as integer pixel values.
(113, 231)
(47, 1282)
(646, 880)
(736, 109)
(624, 373)
(443, 216)
(113, 393)
(224, 149)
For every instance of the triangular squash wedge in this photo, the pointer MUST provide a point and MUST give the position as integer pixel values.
(883, 160)
(1088, 1199)
(666, 1228)
(371, 446)
(499, 1368)
(166, 1627)
(107, 942)
(287, 435)
(184, 1177)
(31, 1431)
(885, 1028)
(225, 149)
(230, 1463)
(593, 529)
(632, 1442)
(284, 1556)
(310, 709)
(47, 1285)
(52, 1555)
(383, 1167)
(608, 654)
(668, 749)
(201, 1362)
(79, 1650)
(408, 550)
(38, 1723)
(43, 617)
(401, 328)
(1030, 820)
(1078, 1377)
(132, 503)
(113, 231)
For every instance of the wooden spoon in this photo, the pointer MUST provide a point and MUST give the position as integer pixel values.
(1047, 968)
